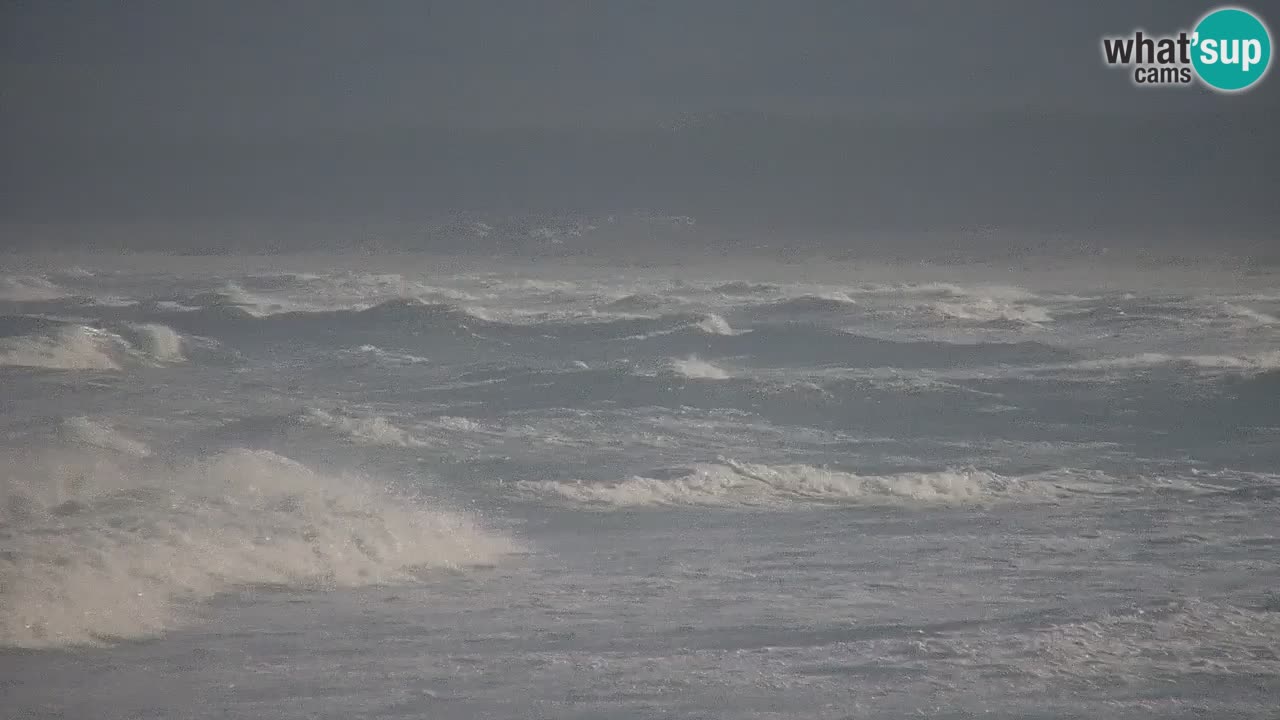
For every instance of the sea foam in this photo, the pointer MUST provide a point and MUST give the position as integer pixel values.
(729, 483)
(100, 547)
(83, 347)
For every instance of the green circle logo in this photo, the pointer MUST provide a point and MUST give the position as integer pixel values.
(1231, 49)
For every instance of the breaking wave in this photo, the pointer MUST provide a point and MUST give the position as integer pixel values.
(159, 342)
(71, 347)
(695, 369)
(85, 431)
(29, 288)
(98, 548)
(64, 346)
(448, 319)
(990, 310)
(728, 483)
(365, 430)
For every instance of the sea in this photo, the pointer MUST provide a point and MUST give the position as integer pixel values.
(412, 486)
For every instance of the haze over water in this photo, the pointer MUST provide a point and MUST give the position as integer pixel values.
(805, 360)
(291, 488)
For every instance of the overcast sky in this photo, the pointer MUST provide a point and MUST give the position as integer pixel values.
(231, 66)
(98, 95)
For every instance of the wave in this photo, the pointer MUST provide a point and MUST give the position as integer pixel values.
(375, 354)
(705, 334)
(159, 342)
(807, 304)
(1190, 312)
(728, 483)
(411, 314)
(698, 323)
(1258, 362)
(70, 346)
(804, 344)
(637, 302)
(1177, 638)
(1246, 313)
(300, 292)
(97, 550)
(990, 310)
(945, 289)
(695, 369)
(252, 303)
(270, 431)
(744, 288)
(213, 315)
(365, 430)
(401, 311)
(85, 431)
(30, 288)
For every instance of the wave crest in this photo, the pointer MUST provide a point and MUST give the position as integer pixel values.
(29, 288)
(695, 369)
(82, 347)
(72, 347)
(814, 304)
(98, 550)
(364, 430)
(729, 483)
(990, 310)
(86, 431)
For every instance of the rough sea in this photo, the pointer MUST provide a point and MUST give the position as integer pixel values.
(420, 487)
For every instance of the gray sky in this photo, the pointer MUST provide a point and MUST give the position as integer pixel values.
(301, 108)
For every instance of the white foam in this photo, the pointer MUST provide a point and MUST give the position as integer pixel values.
(97, 549)
(98, 434)
(174, 306)
(1247, 313)
(75, 271)
(457, 424)
(730, 483)
(297, 292)
(990, 309)
(713, 324)
(1010, 293)
(73, 347)
(365, 429)
(709, 323)
(258, 305)
(695, 369)
(80, 347)
(538, 285)
(1191, 636)
(388, 357)
(159, 342)
(29, 288)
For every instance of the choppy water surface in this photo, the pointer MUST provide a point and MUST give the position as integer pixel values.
(426, 489)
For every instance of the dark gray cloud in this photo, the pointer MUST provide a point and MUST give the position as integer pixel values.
(835, 113)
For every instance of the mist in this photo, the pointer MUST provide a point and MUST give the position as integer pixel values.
(821, 124)
(719, 359)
